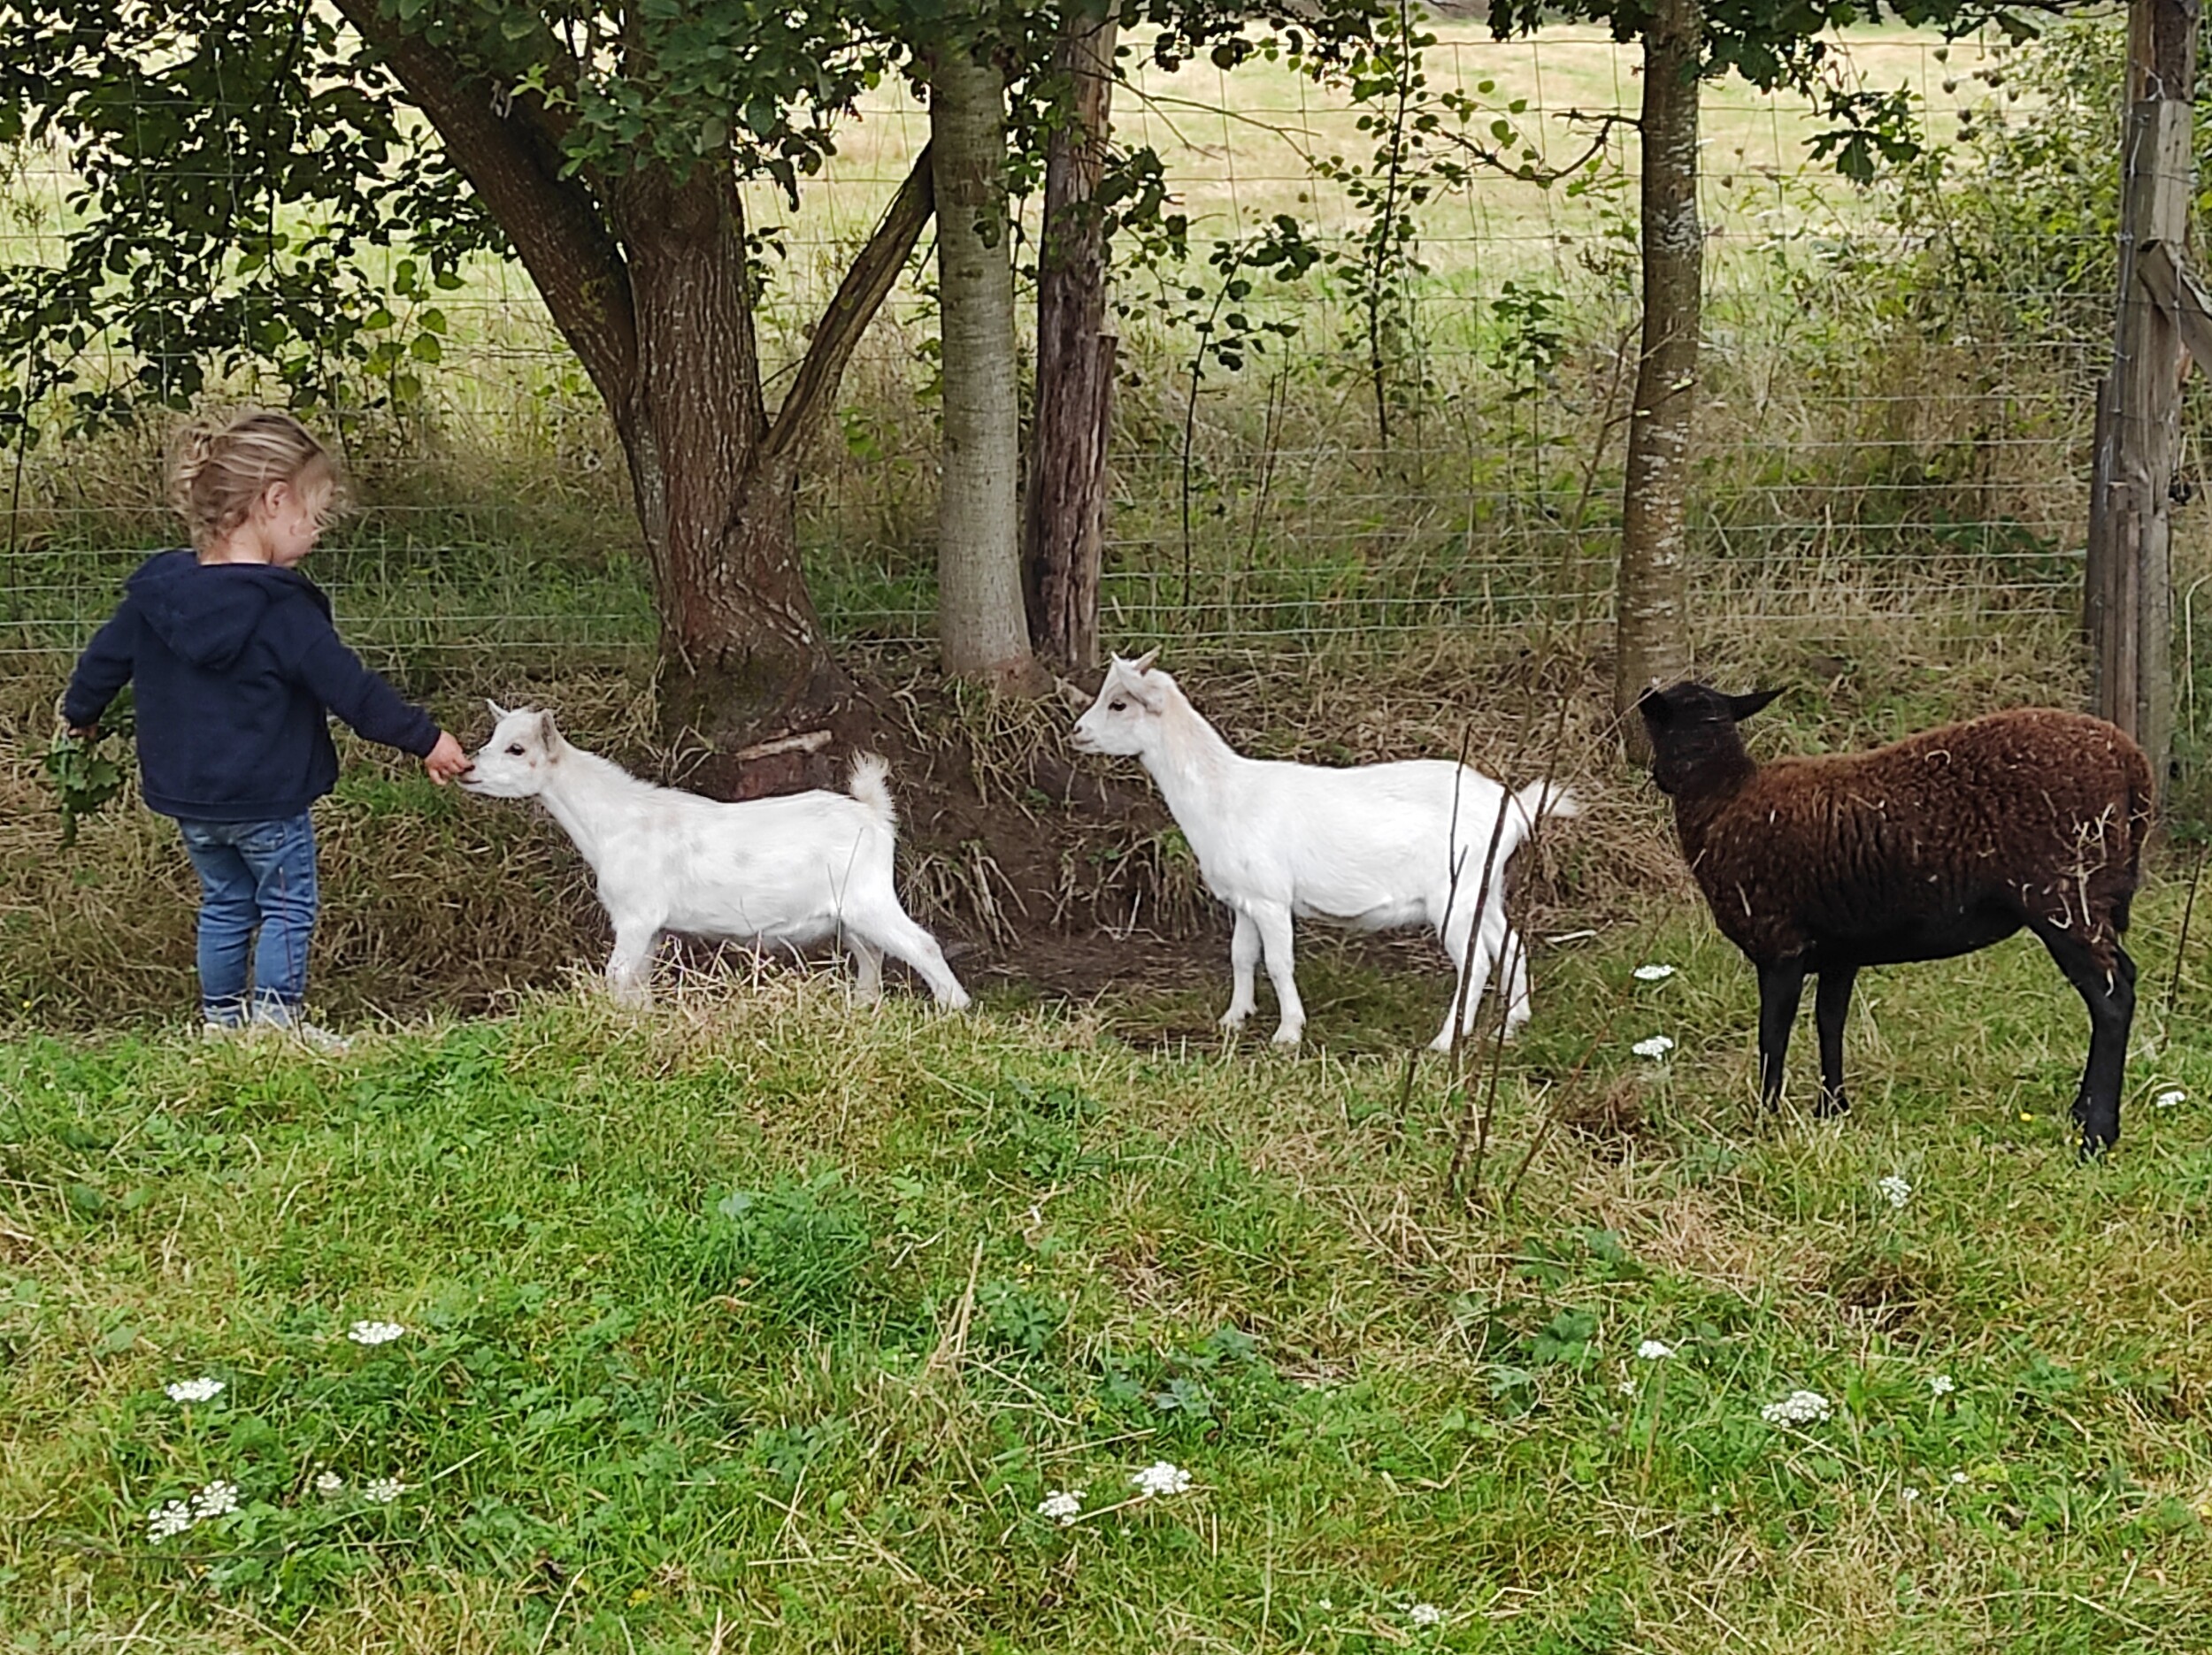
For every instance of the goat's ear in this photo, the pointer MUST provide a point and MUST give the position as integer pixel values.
(1741, 707)
(1655, 706)
(548, 733)
(1143, 662)
(497, 711)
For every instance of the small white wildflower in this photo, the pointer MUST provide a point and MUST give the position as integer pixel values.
(330, 1485)
(1897, 1189)
(1653, 1351)
(194, 1389)
(383, 1490)
(1958, 1476)
(1160, 1477)
(1657, 1046)
(1800, 1407)
(1653, 973)
(374, 1333)
(1912, 1495)
(1324, 1604)
(1064, 1504)
(165, 1520)
(1425, 1615)
(217, 1499)
(2167, 1099)
(1943, 1384)
(1628, 1387)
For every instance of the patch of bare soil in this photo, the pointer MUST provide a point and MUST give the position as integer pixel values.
(1063, 875)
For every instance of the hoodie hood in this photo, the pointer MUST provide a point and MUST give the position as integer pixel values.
(207, 613)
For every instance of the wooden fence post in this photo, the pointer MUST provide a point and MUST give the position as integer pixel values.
(2128, 581)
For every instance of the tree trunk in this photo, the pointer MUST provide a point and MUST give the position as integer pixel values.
(741, 649)
(1651, 625)
(1064, 524)
(647, 277)
(981, 625)
(2128, 574)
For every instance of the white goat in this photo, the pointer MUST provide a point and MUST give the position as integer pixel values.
(798, 868)
(1372, 848)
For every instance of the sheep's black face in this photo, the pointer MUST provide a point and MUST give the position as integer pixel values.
(1693, 730)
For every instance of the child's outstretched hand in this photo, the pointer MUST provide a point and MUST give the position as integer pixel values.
(446, 759)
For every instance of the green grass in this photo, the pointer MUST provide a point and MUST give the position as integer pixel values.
(765, 1324)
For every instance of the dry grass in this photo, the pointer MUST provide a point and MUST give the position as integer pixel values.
(1012, 845)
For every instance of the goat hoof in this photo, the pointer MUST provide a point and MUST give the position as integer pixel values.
(1288, 1036)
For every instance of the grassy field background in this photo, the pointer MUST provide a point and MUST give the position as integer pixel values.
(1841, 451)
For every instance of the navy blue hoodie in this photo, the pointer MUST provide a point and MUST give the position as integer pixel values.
(238, 667)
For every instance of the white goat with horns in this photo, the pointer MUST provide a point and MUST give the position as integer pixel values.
(799, 869)
(1372, 848)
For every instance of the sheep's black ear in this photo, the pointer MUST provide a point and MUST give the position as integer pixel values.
(1741, 707)
(1653, 707)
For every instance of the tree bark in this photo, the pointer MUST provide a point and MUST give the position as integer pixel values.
(738, 635)
(1651, 624)
(1063, 523)
(982, 629)
(647, 277)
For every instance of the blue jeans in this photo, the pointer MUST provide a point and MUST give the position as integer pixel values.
(254, 876)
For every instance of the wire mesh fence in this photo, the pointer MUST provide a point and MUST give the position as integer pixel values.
(1870, 446)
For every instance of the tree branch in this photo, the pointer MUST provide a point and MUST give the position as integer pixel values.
(513, 163)
(859, 296)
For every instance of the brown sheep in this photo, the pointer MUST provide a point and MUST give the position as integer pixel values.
(1937, 846)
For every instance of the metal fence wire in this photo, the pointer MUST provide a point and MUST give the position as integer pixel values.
(1877, 439)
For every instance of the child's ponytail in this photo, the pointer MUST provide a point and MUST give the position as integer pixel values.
(221, 466)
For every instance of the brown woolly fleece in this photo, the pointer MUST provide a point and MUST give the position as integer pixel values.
(1938, 845)
(1918, 850)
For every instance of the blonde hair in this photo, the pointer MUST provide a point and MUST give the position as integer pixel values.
(222, 466)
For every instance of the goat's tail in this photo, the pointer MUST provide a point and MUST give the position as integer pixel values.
(1545, 798)
(871, 783)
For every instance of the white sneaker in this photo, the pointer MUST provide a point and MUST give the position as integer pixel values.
(312, 1036)
(218, 1028)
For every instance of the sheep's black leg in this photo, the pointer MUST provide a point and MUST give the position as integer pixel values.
(1831, 1005)
(2107, 1062)
(1780, 986)
(2110, 996)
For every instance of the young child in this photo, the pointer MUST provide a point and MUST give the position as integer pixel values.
(238, 667)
